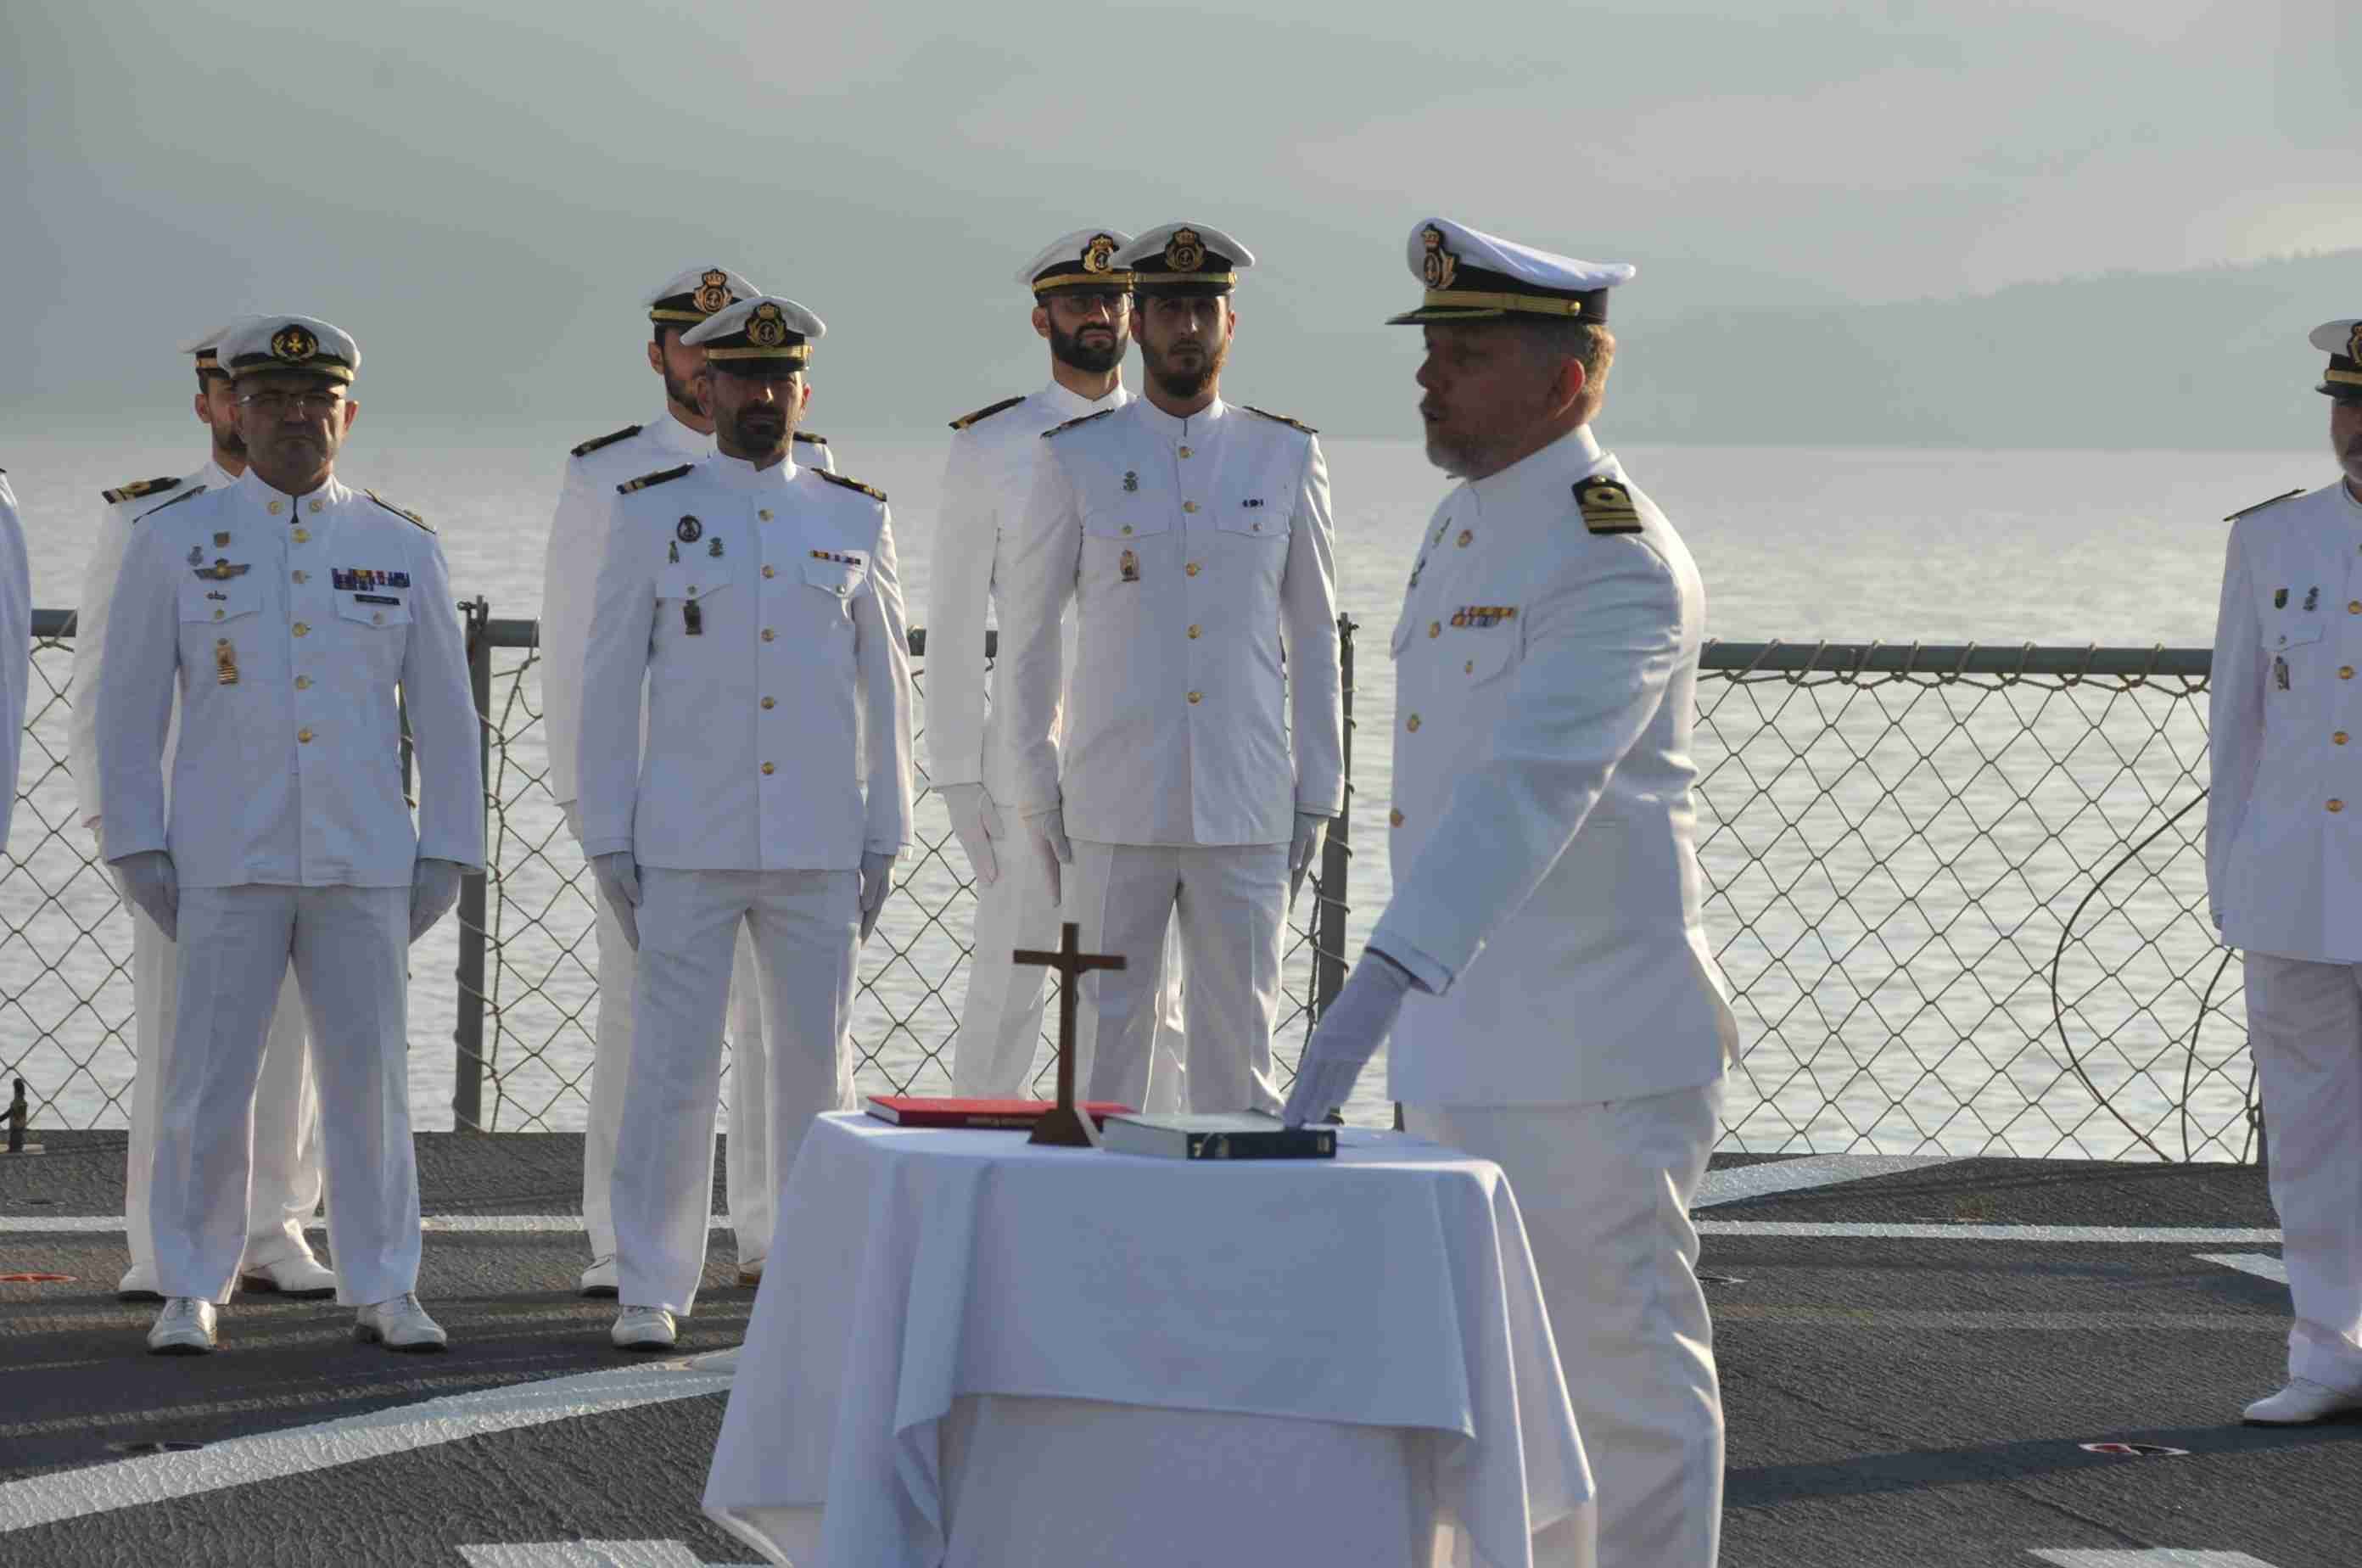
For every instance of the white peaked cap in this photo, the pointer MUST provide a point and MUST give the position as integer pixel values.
(1083, 260)
(289, 343)
(1471, 275)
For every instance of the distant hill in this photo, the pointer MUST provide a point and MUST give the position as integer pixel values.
(2209, 358)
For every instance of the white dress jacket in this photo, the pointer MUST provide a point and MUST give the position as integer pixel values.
(1204, 704)
(1546, 883)
(285, 625)
(2284, 733)
(760, 610)
(986, 480)
(577, 544)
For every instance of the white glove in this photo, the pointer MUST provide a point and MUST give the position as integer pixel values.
(1303, 850)
(434, 888)
(1049, 832)
(149, 881)
(619, 880)
(876, 881)
(978, 821)
(1350, 1032)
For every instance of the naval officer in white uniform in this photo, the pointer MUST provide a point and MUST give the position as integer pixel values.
(682, 433)
(2284, 876)
(1560, 1009)
(1199, 757)
(286, 1181)
(285, 611)
(754, 601)
(1082, 309)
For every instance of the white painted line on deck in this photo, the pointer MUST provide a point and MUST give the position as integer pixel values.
(2263, 1265)
(2160, 1235)
(2151, 1557)
(437, 1224)
(1735, 1181)
(162, 1478)
(585, 1554)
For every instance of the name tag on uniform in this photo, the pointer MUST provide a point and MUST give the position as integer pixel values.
(1484, 616)
(375, 599)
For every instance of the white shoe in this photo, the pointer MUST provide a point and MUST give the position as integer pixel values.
(643, 1329)
(303, 1279)
(2301, 1404)
(185, 1327)
(137, 1285)
(601, 1279)
(399, 1323)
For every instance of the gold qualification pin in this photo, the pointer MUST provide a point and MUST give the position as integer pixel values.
(225, 662)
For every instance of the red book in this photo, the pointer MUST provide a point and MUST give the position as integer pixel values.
(1016, 1115)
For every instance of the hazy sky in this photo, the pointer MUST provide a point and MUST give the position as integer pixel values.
(480, 192)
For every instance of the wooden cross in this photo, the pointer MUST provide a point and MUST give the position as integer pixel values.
(1066, 1125)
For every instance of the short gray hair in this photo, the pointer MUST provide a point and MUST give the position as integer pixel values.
(1590, 344)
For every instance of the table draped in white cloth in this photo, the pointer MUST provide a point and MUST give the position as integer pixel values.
(962, 1339)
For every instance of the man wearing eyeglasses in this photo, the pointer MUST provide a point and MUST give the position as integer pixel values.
(286, 611)
(683, 432)
(286, 1182)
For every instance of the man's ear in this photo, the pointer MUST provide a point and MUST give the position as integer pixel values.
(1041, 321)
(655, 358)
(1567, 386)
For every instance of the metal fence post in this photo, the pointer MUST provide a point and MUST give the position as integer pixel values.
(1329, 913)
(468, 1036)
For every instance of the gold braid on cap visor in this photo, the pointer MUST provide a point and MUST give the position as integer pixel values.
(1111, 282)
(799, 352)
(1464, 299)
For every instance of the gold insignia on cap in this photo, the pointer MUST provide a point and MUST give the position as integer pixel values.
(765, 328)
(1439, 266)
(2353, 342)
(1099, 256)
(1186, 252)
(294, 343)
(712, 291)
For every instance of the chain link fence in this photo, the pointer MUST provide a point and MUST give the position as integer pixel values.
(1960, 895)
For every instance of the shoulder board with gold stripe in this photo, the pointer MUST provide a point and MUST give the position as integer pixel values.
(1282, 418)
(815, 440)
(1086, 419)
(176, 501)
(404, 512)
(2258, 506)
(1003, 406)
(869, 490)
(662, 476)
(138, 488)
(593, 445)
(1607, 506)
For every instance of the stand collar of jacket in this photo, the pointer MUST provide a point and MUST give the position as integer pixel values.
(251, 488)
(1197, 425)
(1574, 456)
(738, 473)
(674, 437)
(1068, 404)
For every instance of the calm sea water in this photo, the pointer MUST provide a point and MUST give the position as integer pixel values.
(1935, 546)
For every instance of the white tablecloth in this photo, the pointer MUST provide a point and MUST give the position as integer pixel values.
(917, 1277)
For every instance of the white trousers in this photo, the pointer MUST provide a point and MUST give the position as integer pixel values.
(349, 948)
(749, 1178)
(2304, 1025)
(1000, 1022)
(1229, 904)
(286, 1185)
(805, 926)
(1605, 1188)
